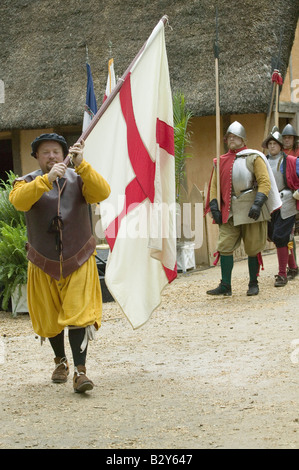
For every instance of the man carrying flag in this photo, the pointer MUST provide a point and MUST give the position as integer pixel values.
(63, 285)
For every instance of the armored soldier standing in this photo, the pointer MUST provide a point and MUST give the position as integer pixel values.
(281, 226)
(248, 196)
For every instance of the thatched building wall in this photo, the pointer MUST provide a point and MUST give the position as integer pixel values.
(42, 54)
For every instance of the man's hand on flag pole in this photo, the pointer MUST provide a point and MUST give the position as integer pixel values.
(57, 171)
(76, 152)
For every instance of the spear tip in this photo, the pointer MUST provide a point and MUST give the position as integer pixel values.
(86, 49)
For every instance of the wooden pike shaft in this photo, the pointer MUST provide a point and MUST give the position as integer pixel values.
(267, 125)
(216, 52)
(275, 91)
(277, 106)
(218, 134)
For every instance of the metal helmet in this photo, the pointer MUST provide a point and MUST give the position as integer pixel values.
(289, 130)
(237, 129)
(274, 135)
(43, 137)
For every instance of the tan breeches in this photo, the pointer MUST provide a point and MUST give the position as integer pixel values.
(254, 237)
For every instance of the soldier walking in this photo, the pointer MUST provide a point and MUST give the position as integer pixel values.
(248, 196)
(281, 226)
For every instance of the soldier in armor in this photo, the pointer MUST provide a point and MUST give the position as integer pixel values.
(290, 141)
(248, 196)
(285, 169)
(63, 283)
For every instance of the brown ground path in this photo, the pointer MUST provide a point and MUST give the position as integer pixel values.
(204, 372)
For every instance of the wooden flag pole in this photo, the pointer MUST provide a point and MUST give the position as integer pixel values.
(216, 52)
(112, 95)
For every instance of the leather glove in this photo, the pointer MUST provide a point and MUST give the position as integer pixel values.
(256, 207)
(216, 213)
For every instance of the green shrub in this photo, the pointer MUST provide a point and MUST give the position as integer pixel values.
(13, 261)
(13, 237)
(8, 213)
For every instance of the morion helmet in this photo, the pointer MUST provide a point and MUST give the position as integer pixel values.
(289, 130)
(274, 135)
(237, 129)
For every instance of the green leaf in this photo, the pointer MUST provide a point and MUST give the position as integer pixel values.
(182, 138)
(13, 238)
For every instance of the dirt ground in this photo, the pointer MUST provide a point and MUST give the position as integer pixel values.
(203, 373)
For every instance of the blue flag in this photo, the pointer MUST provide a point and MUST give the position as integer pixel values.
(90, 107)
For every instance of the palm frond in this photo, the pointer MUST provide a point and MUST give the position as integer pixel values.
(182, 138)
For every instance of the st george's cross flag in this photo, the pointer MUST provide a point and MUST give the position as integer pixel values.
(131, 143)
(111, 82)
(90, 108)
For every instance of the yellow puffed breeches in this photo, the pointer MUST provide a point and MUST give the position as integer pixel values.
(73, 301)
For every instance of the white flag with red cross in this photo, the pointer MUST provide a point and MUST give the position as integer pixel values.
(131, 143)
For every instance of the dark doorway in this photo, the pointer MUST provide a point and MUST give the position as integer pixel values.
(6, 160)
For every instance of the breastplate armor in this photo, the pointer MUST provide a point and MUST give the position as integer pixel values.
(242, 178)
(275, 167)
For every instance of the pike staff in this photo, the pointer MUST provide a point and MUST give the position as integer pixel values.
(216, 53)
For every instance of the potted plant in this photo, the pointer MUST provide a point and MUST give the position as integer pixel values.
(13, 237)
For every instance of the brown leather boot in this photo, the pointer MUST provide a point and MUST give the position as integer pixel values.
(292, 273)
(280, 281)
(81, 383)
(61, 370)
(222, 289)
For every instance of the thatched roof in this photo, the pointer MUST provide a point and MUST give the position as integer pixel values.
(42, 54)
